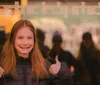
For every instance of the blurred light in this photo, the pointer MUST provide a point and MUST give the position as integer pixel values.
(24, 2)
(8, 12)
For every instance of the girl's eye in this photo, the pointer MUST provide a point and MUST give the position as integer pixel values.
(29, 37)
(20, 37)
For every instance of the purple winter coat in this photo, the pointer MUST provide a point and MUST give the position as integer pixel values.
(23, 70)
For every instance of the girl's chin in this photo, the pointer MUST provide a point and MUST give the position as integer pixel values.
(24, 55)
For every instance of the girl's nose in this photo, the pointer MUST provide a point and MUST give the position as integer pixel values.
(25, 41)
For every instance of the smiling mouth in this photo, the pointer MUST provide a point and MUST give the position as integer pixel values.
(24, 47)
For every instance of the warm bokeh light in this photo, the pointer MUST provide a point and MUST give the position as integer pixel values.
(7, 20)
(24, 2)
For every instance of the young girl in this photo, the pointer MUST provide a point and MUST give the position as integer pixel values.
(22, 62)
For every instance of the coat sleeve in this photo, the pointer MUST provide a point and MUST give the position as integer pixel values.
(64, 71)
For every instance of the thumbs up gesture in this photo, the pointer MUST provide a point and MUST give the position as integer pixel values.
(54, 68)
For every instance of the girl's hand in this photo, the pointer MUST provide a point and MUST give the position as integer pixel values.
(54, 68)
(1, 72)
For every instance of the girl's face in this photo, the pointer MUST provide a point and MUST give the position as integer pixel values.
(24, 41)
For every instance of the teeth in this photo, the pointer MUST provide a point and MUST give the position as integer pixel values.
(24, 47)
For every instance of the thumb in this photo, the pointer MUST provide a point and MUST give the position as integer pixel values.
(56, 59)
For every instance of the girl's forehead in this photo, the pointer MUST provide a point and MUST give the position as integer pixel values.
(24, 31)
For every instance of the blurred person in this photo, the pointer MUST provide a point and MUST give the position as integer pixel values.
(2, 39)
(41, 37)
(22, 62)
(89, 59)
(63, 56)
